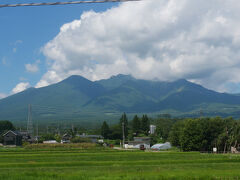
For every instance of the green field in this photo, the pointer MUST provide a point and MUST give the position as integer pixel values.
(98, 163)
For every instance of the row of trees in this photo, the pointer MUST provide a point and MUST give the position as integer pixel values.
(191, 134)
(138, 126)
(202, 134)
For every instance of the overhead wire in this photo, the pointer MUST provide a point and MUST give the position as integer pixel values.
(62, 3)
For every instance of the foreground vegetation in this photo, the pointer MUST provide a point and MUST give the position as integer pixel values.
(99, 163)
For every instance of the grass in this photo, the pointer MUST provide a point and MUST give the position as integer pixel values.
(98, 163)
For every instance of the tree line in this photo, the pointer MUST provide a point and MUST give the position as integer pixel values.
(188, 134)
(203, 134)
(137, 126)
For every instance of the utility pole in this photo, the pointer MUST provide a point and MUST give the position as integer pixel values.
(59, 129)
(30, 124)
(37, 133)
(123, 128)
(201, 113)
(73, 133)
(72, 128)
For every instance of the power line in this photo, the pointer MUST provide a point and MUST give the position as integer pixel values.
(63, 3)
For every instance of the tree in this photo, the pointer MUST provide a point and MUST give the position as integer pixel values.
(202, 134)
(136, 125)
(235, 137)
(5, 126)
(115, 132)
(47, 137)
(175, 133)
(164, 126)
(58, 138)
(124, 122)
(105, 131)
(191, 136)
(145, 124)
(72, 132)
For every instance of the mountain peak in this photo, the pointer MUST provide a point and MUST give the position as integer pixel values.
(182, 81)
(74, 77)
(115, 81)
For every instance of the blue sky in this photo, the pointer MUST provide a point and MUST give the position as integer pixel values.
(24, 30)
(155, 40)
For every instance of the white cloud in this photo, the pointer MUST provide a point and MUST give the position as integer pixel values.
(14, 50)
(3, 95)
(32, 68)
(15, 44)
(20, 87)
(4, 61)
(165, 40)
(18, 42)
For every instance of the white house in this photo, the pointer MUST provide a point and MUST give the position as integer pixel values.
(138, 141)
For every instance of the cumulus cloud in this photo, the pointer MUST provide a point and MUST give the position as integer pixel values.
(20, 87)
(32, 68)
(164, 40)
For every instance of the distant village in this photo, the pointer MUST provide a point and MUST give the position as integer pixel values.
(17, 138)
(204, 134)
(119, 137)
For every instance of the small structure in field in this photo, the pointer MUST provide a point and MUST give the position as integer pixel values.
(66, 138)
(139, 142)
(50, 142)
(163, 146)
(234, 150)
(13, 138)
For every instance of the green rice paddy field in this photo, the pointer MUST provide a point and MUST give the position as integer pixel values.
(98, 163)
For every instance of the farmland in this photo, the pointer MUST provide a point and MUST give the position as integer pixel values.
(99, 163)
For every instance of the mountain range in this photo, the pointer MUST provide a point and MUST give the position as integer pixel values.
(77, 99)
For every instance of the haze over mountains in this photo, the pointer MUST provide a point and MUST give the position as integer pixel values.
(80, 100)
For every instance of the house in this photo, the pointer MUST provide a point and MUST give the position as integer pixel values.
(137, 145)
(26, 137)
(93, 138)
(138, 142)
(66, 138)
(12, 138)
(142, 139)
